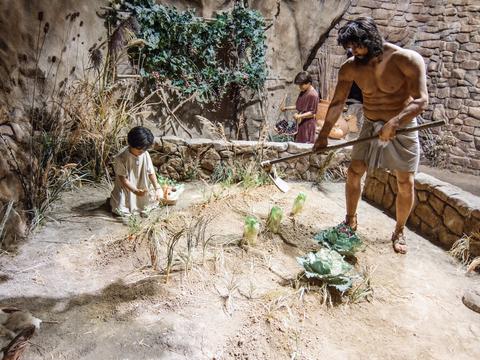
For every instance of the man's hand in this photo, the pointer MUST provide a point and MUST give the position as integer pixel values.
(388, 131)
(321, 143)
(140, 192)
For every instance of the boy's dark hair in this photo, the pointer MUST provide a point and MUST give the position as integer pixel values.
(303, 78)
(140, 137)
(364, 32)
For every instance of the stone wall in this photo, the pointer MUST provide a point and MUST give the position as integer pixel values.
(442, 212)
(182, 159)
(447, 34)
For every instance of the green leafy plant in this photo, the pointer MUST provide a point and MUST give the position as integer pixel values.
(298, 203)
(251, 230)
(208, 58)
(340, 238)
(274, 219)
(329, 267)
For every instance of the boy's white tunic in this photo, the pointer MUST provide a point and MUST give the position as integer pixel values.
(136, 169)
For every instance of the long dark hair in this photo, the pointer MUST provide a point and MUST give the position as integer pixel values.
(364, 32)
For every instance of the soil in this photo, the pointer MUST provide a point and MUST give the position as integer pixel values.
(93, 282)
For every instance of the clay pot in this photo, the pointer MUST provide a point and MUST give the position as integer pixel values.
(322, 110)
(336, 133)
(339, 131)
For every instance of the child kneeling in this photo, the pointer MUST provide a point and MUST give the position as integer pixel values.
(134, 173)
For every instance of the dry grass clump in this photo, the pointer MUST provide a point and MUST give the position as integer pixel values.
(461, 248)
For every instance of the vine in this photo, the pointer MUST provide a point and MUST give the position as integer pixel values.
(206, 58)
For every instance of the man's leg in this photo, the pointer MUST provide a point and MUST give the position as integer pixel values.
(404, 204)
(353, 189)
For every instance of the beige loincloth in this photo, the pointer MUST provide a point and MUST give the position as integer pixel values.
(402, 153)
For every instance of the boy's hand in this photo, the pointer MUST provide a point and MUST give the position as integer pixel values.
(158, 194)
(297, 117)
(140, 192)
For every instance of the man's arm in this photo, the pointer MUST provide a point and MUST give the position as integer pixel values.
(335, 109)
(412, 66)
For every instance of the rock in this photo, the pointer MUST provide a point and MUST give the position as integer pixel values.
(379, 190)
(472, 122)
(388, 198)
(445, 237)
(459, 73)
(295, 148)
(461, 55)
(471, 299)
(369, 4)
(369, 188)
(437, 204)
(443, 93)
(470, 65)
(414, 220)
(460, 92)
(463, 38)
(422, 196)
(381, 14)
(427, 215)
(453, 221)
(210, 160)
(465, 137)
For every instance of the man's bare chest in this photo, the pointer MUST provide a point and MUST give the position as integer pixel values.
(384, 77)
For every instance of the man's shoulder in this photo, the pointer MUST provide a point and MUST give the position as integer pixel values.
(405, 55)
(348, 68)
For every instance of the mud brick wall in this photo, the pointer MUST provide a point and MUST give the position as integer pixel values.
(442, 212)
(182, 159)
(447, 34)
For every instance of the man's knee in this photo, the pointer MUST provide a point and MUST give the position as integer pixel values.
(405, 182)
(357, 168)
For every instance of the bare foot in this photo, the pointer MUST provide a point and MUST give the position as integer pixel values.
(399, 242)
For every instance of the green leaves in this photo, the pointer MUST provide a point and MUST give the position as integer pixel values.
(329, 267)
(298, 203)
(206, 57)
(250, 230)
(340, 238)
(274, 219)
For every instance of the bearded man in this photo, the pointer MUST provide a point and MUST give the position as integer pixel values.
(393, 84)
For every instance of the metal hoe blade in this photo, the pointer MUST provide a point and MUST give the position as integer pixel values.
(279, 182)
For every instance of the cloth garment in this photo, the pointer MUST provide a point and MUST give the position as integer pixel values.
(136, 169)
(402, 153)
(307, 101)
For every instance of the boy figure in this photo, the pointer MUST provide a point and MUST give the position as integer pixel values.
(133, 173)
(306, 107)
(393, 84)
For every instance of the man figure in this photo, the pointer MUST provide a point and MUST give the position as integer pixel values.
(306, 107)
(393, 84)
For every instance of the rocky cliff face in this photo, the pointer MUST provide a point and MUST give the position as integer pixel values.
(44, 44)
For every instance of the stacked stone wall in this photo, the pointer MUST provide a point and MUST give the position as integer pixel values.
(442, 212)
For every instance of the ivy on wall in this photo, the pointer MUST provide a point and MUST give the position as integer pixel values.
(206, 57)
